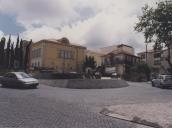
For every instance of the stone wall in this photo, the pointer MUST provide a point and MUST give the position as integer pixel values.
(85, 83)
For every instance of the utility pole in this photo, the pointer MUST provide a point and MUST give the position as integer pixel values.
(146, 52)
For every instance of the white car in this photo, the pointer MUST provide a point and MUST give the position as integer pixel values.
(162, 81)
(19, 80)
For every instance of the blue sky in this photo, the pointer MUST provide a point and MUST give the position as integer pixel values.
(94, 23)
(9, 25)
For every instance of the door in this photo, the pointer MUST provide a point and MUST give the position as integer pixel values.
(157, 81)
(10, 79)
(160, 78)
(13, 80)
(6, 79)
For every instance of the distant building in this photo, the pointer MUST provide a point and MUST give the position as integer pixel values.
(106, 50)
(164, 64)
(153, 59)
(117, 48)
(120, 57)
(156, 60)
(59, 55)
(97, 56)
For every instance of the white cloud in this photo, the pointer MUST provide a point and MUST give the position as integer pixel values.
(1, 33)
(95, 23)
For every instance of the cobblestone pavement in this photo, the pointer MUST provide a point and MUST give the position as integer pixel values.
(49, 107)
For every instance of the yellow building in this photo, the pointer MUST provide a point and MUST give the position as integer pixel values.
(59, 55)
(97, 56)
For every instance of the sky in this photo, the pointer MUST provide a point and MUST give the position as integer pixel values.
(92, 23)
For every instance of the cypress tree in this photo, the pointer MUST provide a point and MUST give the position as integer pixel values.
(7, 57)
(27, 57)
(2, 51)
(21, 54)
(12, 57)
(16, 56)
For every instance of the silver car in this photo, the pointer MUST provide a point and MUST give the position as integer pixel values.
(18, 79)
(162, 81)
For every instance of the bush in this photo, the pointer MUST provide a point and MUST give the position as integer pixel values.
(138, 72)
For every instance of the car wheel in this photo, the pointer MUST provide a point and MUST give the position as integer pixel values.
(161, 86)
(2, 85)
(153, 85)
(34, 86)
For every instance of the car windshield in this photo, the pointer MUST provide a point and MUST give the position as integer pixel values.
(22, 75)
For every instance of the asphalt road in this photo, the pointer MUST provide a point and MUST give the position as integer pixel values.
(49, 107)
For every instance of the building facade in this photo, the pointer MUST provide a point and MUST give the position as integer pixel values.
(119, 58)
(117, 48)
(156, 60)
(59, 55)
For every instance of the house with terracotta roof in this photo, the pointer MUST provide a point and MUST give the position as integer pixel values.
(120, 57)
(59, 55)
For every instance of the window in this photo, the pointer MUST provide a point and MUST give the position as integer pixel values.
(168, 77)
(157, 62)
(22, 75)
(143, 56)
(62, 52)
(11, 75)
(69, 54)
(157, 55)
(66, 54)
(36, 53)
(7, 75)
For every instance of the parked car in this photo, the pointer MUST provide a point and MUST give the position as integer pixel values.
(18, 80)
(162, 81)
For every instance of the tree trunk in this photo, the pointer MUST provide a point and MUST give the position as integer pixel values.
(169, 59)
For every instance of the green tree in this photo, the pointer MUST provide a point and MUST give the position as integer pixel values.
(17, 49)
(27, 56)
(156, 24)
(143, 68)
(92, 62)
(138, 71)
(2, 52)
(89, 62)
(21, 54)
(12, 57)
(7, 56)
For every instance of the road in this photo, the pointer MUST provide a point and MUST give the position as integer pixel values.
(49, 107)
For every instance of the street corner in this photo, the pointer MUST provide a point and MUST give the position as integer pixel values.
(157, 115)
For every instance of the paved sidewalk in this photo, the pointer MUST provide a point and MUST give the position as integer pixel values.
(157, 115)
